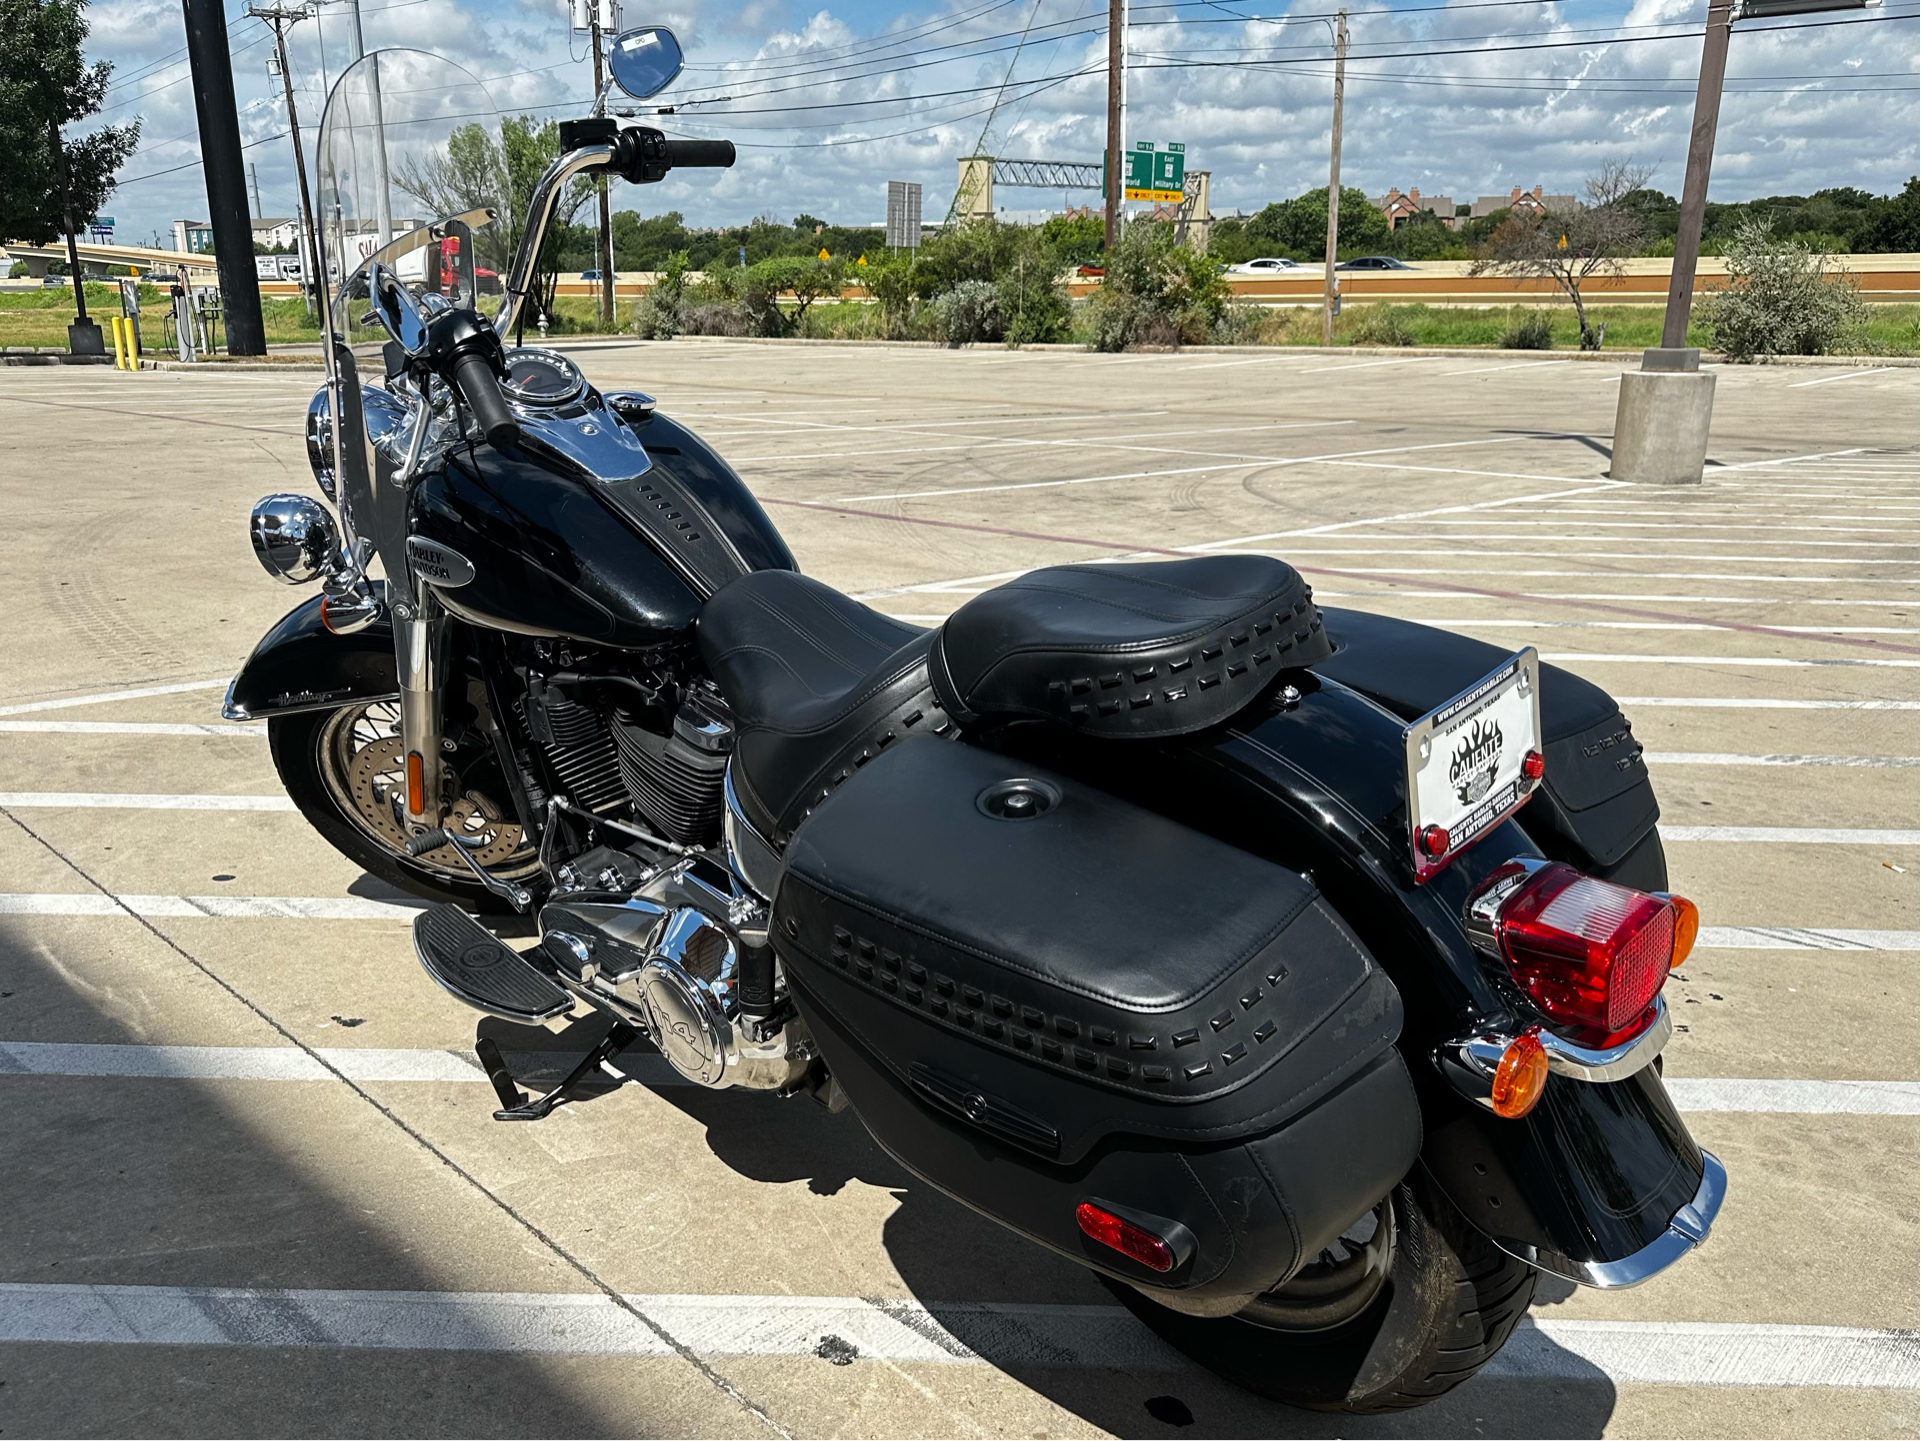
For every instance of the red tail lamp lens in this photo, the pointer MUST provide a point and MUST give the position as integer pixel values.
(1589, 953)
(1123, 1236)
(1533, 765)
(1435, 840)
(1521, 1076)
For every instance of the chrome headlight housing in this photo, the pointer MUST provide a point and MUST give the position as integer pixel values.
(294, 538)
(320, 444)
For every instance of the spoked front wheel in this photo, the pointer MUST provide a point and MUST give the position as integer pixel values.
(345, 771)
(1404, 1307)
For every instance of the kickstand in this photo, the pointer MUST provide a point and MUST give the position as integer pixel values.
(514, 1104)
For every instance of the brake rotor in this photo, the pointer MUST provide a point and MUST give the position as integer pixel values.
(376, 778)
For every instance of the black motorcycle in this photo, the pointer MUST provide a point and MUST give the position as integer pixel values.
(1298, 971)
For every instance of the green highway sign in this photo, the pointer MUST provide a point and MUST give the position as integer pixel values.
(1155, 175)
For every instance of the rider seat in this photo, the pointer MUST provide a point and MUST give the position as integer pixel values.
(820, 684)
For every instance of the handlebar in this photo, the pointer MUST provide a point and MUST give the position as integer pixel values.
(474, 375)
(704, 154)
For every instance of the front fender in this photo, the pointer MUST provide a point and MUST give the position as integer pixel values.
(300, 665)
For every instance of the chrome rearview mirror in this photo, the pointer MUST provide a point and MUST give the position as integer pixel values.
(396, 308)
(645, 62)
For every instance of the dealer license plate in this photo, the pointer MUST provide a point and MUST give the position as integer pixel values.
(1466, 762)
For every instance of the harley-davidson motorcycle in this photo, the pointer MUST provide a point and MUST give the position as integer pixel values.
(1297, 971)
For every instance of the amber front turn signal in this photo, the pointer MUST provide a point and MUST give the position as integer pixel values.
(416, 787)
(1687, 925)
(1521, 1076)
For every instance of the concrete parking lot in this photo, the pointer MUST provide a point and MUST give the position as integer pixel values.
(252, 1184)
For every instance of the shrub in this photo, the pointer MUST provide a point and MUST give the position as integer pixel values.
(968, 314)
(1383, 325)
(658, 316)
(891, 281)
(1528, 330)
(1780, 299)
(1157, 293)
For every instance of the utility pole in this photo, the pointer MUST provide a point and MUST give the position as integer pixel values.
(600, 185)
(83, 336)
(1331, 299)
(226, 178)
(280, 18)
(1116, 26)
(1694, 188)
(253, 174)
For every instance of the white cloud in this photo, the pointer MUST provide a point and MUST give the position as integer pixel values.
(1466, 123)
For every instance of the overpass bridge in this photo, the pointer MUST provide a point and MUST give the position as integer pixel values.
(141, 257)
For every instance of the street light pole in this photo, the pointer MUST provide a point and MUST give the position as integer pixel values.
(1331, 283)
(1694, 188)
(600, 185)
(1116, 23)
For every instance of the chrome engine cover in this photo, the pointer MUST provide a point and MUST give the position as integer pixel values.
(673, 970)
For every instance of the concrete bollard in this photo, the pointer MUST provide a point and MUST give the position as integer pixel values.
(1661, 420)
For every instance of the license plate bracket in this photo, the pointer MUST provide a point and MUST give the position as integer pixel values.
(1467, 762)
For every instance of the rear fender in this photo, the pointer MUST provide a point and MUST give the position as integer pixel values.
(300, 665)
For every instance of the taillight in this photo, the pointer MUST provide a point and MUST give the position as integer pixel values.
(1589, 953)
(1124, 1236)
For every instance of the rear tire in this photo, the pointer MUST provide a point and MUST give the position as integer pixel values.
(336, 769)
(1451, 1301)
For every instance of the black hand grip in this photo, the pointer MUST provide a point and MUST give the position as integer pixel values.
(705, 154)
(475, 377)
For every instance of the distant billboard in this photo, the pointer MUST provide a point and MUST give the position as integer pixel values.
(903, 214)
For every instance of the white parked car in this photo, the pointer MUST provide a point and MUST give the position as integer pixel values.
(1265, 265)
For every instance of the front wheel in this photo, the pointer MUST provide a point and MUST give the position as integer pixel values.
(1418, 1300)
(344, 770)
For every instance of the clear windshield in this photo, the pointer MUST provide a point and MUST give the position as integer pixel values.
(411, 177)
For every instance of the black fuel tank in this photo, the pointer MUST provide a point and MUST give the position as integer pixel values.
(556, 550)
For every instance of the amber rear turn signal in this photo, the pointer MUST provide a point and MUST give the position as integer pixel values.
(1687, 925)
(1521, 1076)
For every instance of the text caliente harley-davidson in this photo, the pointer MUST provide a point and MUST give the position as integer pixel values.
(1297, 971)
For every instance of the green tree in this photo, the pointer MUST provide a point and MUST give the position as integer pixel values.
(1077, 239)
(1298, 228)
(1157, 292)
(478, 170)
(52, 182)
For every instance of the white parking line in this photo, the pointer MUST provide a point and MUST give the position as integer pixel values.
(1790, 835)
(1792, 938)
(110, 696)
(1764, 703)
(1750, 660)
(103, 800)
(131, 728)
(247, 908)
(1504, 622)
(897, 1331)
(1369, 364)
(1851, 375)
(1796, 1097)
(379, 1064)
(1729, 758)
(1246, 464)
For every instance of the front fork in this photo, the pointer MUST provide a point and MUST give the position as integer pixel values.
(420, 663)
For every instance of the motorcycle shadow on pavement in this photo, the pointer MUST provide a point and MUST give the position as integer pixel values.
(979, 1281)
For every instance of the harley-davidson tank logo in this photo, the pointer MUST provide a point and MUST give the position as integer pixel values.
(438, 565)
(1471, 772)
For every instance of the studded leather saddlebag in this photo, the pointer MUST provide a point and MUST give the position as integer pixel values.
(1037, 995)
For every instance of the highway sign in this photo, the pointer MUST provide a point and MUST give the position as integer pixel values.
(1155, 175)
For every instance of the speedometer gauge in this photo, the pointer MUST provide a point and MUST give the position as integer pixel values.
(541, 377)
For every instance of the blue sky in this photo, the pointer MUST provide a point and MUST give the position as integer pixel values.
(828, 104)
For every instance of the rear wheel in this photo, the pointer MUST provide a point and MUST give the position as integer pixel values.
(1407, 1305)
(344, 770)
